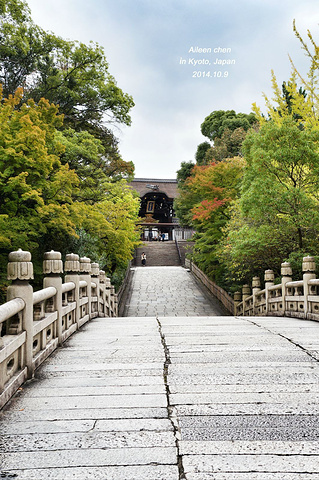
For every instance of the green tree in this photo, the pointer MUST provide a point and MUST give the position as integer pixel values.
(70, 74)
(184, 172)
(218, 121)
(200, 155)
(276, 216)
(35, 188)
(40, 196)
(228, 146)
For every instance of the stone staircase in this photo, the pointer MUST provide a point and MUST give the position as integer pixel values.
(158, 254)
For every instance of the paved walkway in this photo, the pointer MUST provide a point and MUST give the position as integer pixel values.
(169, 292)
(171, 398)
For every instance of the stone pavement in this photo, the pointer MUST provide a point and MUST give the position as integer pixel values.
(169, 292)
(171, 398)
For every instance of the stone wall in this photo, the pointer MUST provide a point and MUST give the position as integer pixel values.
(217, 291)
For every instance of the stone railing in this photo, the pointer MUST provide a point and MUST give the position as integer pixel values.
(294, 299)
(33, 324)
(217, 291)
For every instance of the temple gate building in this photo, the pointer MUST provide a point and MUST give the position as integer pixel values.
(157, 209)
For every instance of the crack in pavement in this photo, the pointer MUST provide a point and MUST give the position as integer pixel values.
(170, 409)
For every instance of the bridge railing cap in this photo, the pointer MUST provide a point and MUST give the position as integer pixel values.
(20, 266)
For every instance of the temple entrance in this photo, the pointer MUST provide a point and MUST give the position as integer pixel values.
(157, 213)
(157, 206)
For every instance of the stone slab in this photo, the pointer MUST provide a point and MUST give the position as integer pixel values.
(94, 391)
(296, 464)
(250, 357)
(93, 439)
(250, 476)
(248, 409)
(89, 458)
(95, 372)
(249, 397)
(64, 367)
(96, 402)
(87, 381)
(188, 447)
(201, 388)
(128, 472)
(245, 377)
(25, 415)
(87, 426)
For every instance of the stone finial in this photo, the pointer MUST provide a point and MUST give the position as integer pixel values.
(102, 277)
(85, 265)
(269, 276)
(246, 290)
(255, 282)
(286, 270)
(107, 282)
(237, 297)
(20, 266)
(308, 264)
(52, 263)
(95, 269)
(72, 263)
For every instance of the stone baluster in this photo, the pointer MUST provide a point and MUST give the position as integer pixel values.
(116, 306)
(20, 271)
(72, 269)
(112, 301)
(95, 272)
(53, 269)
(85, 274)
(256, 288)
(286, 276)
(237, 300)
(102, 294)
(245, 294)
(108, 295)
(308, 268)
(269, 282)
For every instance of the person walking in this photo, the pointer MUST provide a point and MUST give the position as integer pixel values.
(143, 259)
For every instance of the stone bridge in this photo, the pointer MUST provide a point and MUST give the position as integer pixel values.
(176, 389)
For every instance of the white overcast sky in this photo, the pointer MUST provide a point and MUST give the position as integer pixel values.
(144, 41)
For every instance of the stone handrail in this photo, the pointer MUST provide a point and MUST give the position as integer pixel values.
(34, 324)
(178, 251)
(298, 298)
(217, 291)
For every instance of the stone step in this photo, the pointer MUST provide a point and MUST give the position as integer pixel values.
(158, 254)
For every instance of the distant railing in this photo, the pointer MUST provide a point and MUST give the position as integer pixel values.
(217, 291)
(178, 251)
(289, 298)
(33, 324)
(124, 291)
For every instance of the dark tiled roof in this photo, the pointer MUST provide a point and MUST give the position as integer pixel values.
(168, 186)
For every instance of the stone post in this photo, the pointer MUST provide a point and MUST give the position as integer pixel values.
(102, 294)
(72, 269)
(245, 294)
(112, 301)
(237, 300)
(85, 274)
(309, 268)
(52, 269)
(95, 272)
(20, 271)
(286, 276)
(108, 296)
(269, 282)
(116, 305)
(256, 288)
